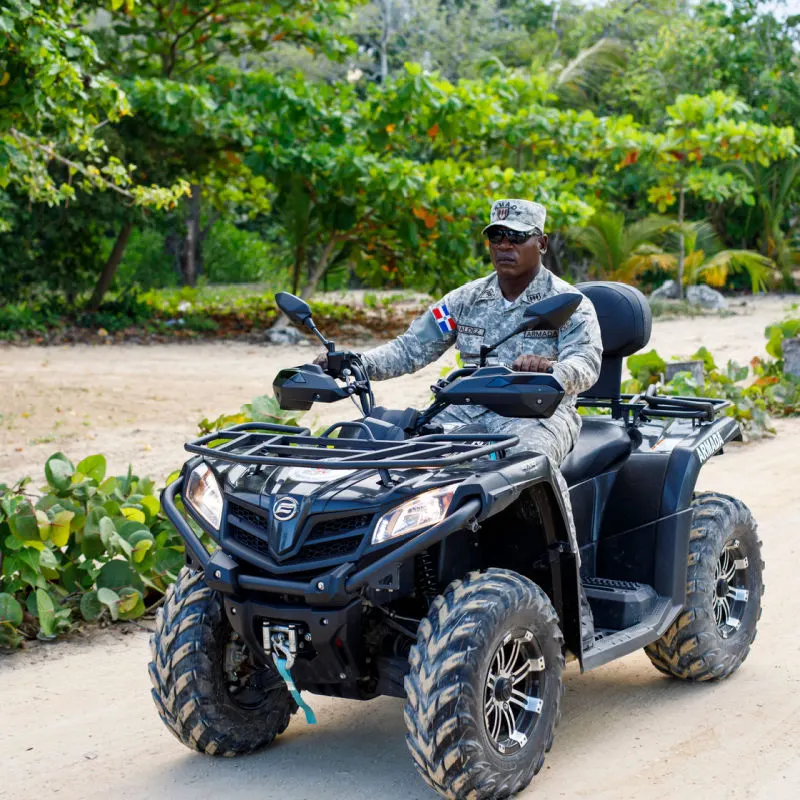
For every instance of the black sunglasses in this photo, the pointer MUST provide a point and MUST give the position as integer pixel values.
(496, 235)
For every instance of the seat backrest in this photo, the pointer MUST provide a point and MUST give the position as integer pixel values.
(625, 324)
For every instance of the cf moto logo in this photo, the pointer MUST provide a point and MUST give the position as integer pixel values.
(285, 509)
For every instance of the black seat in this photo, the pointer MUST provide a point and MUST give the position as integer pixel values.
(602, 443)
(625, 323)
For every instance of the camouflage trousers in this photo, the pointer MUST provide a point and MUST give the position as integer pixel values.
(533, 438)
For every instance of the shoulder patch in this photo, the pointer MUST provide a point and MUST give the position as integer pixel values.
(443, 318)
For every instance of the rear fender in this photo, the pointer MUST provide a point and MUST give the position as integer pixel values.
(688, 457)
(528, 483)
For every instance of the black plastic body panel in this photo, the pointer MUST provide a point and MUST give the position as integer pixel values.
(506, 392)
(298, 388)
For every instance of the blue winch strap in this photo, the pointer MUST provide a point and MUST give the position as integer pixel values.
(280, 663)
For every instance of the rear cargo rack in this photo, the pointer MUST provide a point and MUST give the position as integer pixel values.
(257, 443)
(635, 407)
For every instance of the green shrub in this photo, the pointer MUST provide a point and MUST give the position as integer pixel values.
(89, 546)
(233, 255)
(146, 262)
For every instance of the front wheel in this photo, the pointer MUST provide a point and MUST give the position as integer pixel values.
(207, 689)
(712, 635)
(484, 686)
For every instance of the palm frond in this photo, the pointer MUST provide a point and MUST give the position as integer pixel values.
(758, 267)
(587, 72)
(602, 237)
(645, 230)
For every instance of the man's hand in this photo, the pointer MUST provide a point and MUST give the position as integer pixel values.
(322, 360)
(532, 363)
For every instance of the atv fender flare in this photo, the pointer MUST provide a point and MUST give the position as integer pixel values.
(532, 475)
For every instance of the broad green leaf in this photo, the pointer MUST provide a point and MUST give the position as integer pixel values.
(91, 607)
(43, 523)
(131, 604)
(152, 505)
(93, 467)
(140, 549)
(10, 609)
(59, 471)
(133, 514)
(116, 574)
(46, 612)
(60, 527)
(23, 523)
(110, 599)
(168, 562)
(48, 560)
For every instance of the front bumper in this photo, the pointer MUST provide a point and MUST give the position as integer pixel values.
(335, 587)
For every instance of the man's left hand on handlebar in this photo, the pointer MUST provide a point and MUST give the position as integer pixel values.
(532, 363)
(322, 360)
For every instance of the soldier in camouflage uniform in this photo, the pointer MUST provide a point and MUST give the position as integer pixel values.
(482, 311)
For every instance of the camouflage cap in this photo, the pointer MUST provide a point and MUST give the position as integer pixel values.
(518, 215)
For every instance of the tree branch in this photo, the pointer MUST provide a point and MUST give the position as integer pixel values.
(49, 151)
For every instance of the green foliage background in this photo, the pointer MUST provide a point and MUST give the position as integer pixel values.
(300, 144)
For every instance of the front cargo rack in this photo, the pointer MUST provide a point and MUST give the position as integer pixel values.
(262, 443)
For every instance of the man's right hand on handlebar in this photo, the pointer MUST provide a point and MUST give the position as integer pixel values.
(322, 360)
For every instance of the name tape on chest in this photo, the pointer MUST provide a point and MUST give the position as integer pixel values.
(471, 330)
(443, 318)
(540, 334)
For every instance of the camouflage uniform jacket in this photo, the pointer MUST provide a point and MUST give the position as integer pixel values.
(475, 314)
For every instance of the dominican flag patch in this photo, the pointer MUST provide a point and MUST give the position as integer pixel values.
(443, 319)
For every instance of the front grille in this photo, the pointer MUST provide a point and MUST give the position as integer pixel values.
(248, 515)
(342, 525)
(328, 540)
(248, 540)
(338, 548)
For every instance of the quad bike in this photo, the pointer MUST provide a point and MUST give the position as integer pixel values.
(385, 557)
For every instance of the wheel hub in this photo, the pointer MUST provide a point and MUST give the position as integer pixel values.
(730, 594)
(514, 689)
(503, 689)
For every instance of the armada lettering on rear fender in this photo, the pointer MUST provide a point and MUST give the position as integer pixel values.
(709, 446)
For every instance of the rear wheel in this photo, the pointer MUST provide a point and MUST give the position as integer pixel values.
(208, 691)
(484, 686)
(712, 635)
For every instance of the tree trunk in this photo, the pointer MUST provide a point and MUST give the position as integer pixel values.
(319, 269)
(681, 245)
(190, 255)
(386, 26)
(110, 267)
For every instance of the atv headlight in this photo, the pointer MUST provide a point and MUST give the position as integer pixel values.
(203, 494)
(419, 512)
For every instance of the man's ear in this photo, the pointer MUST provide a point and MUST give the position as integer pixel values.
(543, 241)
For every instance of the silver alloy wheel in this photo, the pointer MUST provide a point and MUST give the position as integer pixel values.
(514, 691)
(730, 592)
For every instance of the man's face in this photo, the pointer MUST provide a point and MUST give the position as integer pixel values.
(516, 260)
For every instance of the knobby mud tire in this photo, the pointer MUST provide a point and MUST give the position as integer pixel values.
(190, 689)
(444, 711)
(693, 647)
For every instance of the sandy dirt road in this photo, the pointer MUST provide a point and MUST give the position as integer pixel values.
(76, 720)
(139, 404)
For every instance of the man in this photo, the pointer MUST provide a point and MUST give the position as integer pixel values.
(482, 311)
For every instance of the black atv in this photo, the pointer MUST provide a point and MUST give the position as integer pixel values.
(386, 557)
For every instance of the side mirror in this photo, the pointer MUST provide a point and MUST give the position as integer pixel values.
(552, 312)
(296, 309)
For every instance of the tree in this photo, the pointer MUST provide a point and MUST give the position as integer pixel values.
(776, 216)
(700, 134)
(619, 251)
(54, 97)
(704, 257)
